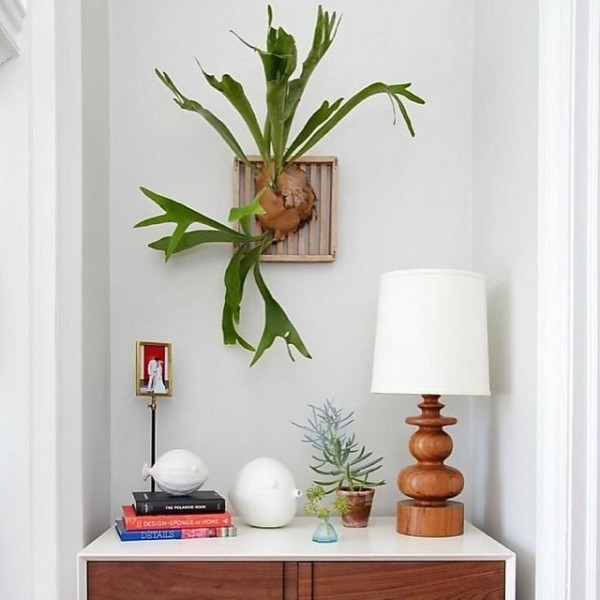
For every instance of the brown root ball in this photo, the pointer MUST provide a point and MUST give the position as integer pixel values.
(291, 206)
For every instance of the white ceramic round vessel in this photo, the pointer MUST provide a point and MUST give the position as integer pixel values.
(177, 472)
(264, 493)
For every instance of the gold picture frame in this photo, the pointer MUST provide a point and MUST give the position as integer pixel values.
(316, 241)
(153, 369)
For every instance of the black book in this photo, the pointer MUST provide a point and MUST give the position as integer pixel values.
(201, 501)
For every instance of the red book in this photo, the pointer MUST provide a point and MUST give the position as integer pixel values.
(132, 521)
(137, 535)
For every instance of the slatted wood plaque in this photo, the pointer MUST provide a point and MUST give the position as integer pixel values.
(315, 242)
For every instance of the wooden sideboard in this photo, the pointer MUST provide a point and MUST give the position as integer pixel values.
(375, 563)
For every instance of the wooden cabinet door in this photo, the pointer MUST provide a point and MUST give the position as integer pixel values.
(408, 580)
(185, 580)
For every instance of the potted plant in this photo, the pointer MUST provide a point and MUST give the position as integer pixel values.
(285, 199)
(315, 505)
(344, 466)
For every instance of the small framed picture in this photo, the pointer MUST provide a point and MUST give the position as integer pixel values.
(153, 369)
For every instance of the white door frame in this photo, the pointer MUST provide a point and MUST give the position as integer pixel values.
(54, 55)
(43, 389)
(567, 426)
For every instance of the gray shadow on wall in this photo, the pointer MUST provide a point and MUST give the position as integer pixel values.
(485, 418)
(488, 480)
(499, 338)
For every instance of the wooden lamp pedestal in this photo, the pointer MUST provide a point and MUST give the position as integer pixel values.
(430, 483)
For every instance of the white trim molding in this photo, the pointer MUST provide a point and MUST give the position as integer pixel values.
(44, 391)
(12, 13)
(591, 282)
(567, 344)
(554, 301)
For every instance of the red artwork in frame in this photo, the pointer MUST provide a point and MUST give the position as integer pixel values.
(153, 372)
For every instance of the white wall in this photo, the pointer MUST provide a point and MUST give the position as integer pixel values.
(95, 282)
(14, 324)
(504, 226)
(222, 410)
(402, 203)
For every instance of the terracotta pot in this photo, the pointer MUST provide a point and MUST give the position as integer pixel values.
(360, 502)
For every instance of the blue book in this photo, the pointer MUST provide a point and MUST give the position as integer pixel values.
(138, 535)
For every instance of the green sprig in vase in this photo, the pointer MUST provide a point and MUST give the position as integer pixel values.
(325, 532)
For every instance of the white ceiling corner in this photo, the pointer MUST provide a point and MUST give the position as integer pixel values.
(12, 13)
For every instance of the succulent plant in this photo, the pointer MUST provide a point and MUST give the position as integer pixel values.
(285, 200)
(339, 460)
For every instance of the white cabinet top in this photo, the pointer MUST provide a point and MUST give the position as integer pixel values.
(377, 542)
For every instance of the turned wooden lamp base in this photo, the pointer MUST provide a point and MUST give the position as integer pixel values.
(430, 483)
(430, 521)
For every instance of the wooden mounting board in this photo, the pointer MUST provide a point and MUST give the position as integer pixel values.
(316, 241)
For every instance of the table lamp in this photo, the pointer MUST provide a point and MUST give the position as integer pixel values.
(431, 340)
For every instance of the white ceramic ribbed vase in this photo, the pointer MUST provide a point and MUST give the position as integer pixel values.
(177, 472)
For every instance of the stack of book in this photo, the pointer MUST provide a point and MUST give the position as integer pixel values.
(160, 516)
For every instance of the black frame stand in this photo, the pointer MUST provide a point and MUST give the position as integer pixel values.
(152, 406)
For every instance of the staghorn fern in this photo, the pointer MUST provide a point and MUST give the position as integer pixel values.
(278, 153)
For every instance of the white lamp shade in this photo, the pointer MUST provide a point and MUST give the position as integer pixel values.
(431, 335)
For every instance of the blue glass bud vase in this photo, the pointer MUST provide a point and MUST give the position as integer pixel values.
(325, 532)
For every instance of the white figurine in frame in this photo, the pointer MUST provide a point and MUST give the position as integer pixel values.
(153, 369)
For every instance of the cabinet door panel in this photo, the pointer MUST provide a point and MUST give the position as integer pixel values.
(185, 580)
(409, 581)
